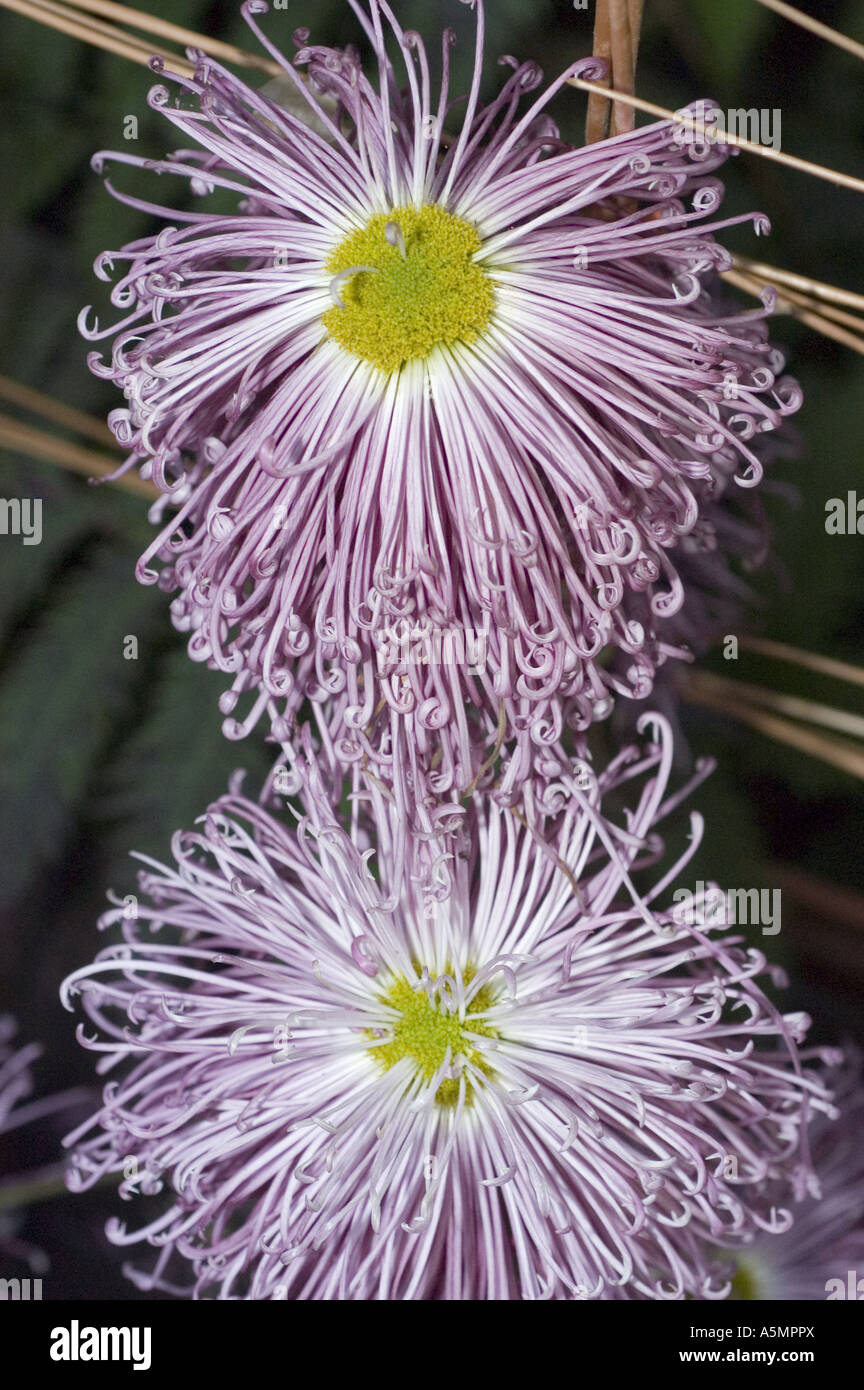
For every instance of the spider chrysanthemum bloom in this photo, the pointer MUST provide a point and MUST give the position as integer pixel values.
(476, 385)
(825, 1246)
(540, 1086)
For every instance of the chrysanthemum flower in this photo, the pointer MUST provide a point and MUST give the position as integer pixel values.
(471, 389)
(826, 1242)
(540, 1086)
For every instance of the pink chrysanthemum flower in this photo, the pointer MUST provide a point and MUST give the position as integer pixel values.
(540, 1086)
(825, 1246)
(481, 389)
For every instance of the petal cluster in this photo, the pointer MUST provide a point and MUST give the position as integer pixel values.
(474, 552)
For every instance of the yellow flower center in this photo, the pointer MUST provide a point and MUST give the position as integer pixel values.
(424, 1031)
(746, 1284)
(419, 287)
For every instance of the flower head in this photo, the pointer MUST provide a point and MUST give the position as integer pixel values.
(540, 1085)
(483, 391)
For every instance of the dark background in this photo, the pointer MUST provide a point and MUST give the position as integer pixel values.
(99, 755)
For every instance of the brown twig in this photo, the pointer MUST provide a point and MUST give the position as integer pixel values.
(815, 26)
(499, 740)
(56, 411)
(622, 118)
(163, 28)
(617, 24)
(811, 661)
(807, 711)
(822, 898)
(547, 849)
(837, 752)
(598, 106)
(817, 289)
(739, 141)
(106, 36)
(799, 307)
(47, 448)
(803, 301)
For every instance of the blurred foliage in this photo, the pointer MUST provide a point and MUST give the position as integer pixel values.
(100, 754)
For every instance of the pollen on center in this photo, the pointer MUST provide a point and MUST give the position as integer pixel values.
(415, 287)
(424, 1031)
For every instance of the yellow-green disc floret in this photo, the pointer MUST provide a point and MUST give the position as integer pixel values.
(746, 1284)
(424, 1031)
(422, 287)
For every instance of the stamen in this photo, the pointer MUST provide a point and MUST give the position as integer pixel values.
(339, 280)
(394, 235)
